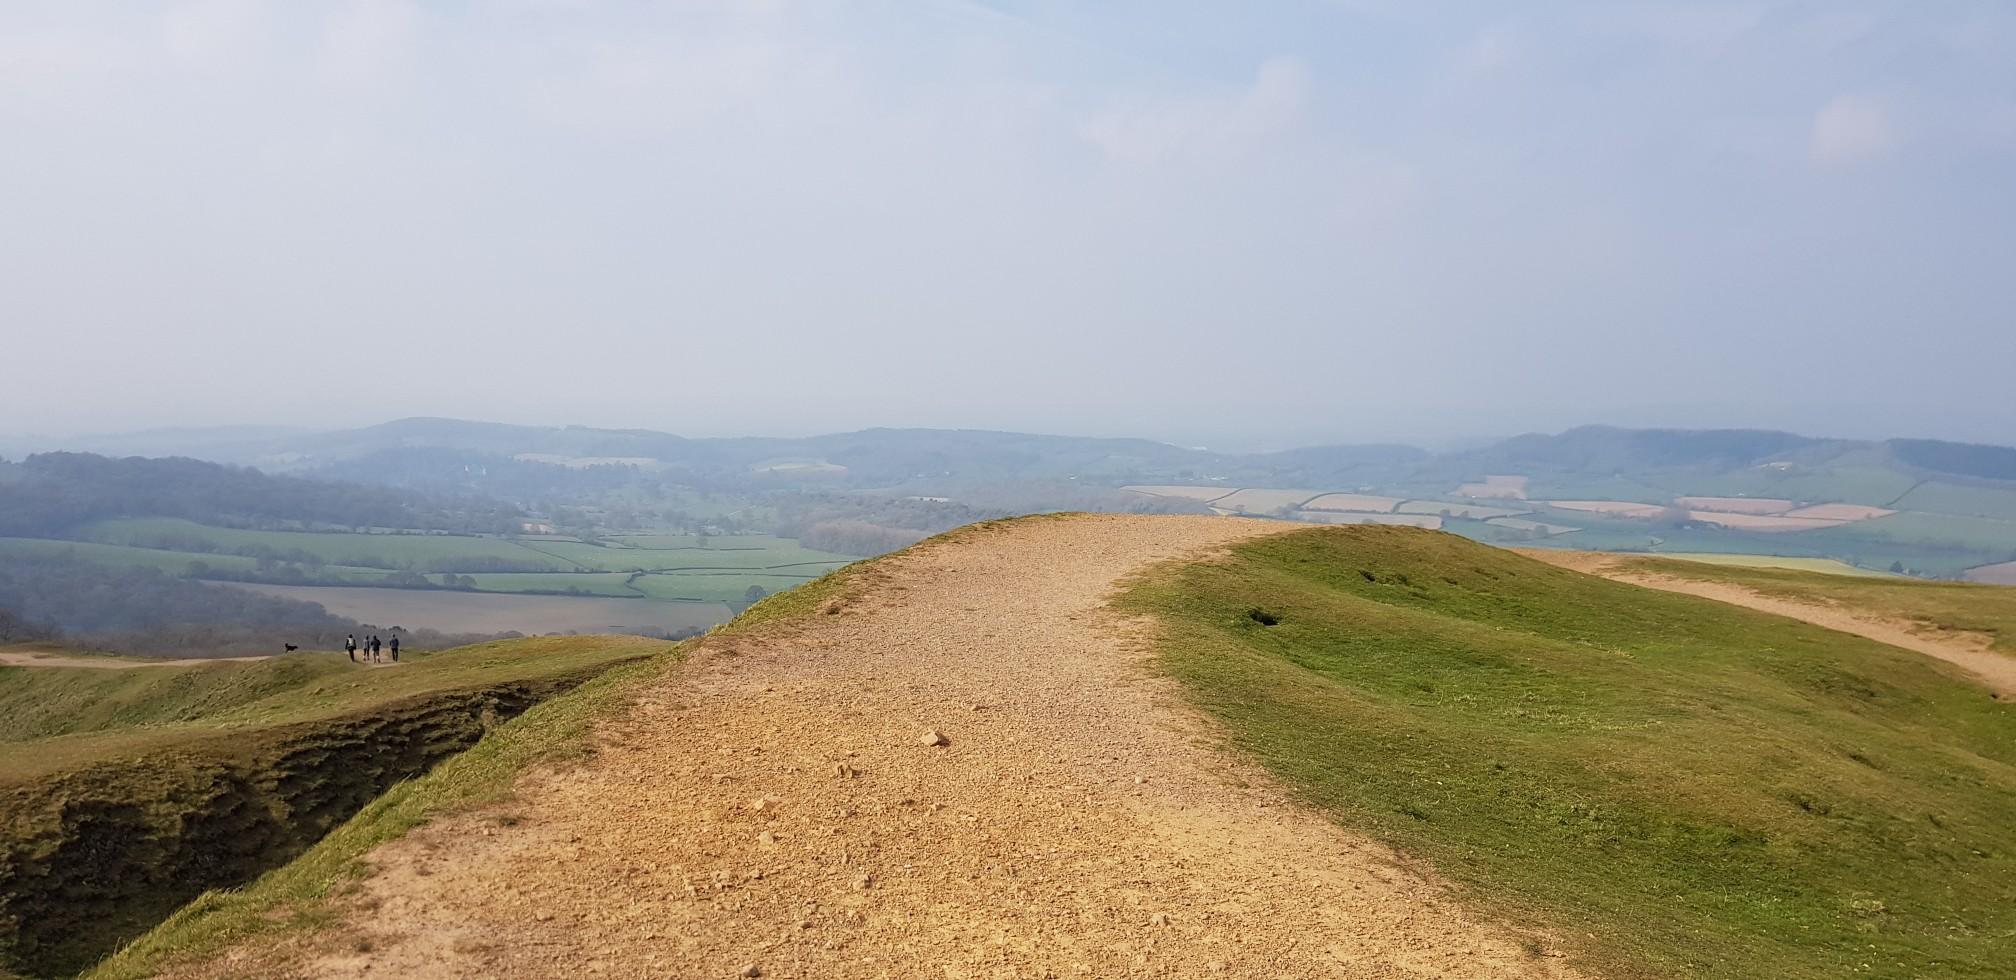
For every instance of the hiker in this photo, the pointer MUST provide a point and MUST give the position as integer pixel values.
(350, 647)
(395, 648)
(374, 648)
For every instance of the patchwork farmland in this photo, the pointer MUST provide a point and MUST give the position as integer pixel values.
(1759, 529)
(464, 583)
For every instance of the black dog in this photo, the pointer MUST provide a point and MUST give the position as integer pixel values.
(290, 647)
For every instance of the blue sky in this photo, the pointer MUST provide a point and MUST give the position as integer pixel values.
(1237, 224)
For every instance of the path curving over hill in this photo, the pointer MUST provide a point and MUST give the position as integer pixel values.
(773, 805)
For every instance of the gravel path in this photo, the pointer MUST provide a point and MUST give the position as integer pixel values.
(1969, 651)
(773, 809)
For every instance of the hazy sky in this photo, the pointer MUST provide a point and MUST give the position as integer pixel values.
(1253, 223)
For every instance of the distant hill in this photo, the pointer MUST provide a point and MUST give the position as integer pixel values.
(1598, 449)
(50, 493)
(1955, 458)
(884, 456)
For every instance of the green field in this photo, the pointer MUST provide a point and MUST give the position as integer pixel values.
(415, 551)
(169, 562)
(1948, 498)
(738, 552)
(707, 587)
(593, 583)
(1938, 530)
(1668, 786)
(718, 568)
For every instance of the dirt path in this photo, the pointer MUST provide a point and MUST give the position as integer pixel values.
(17, 659)
(773, 806)
(1969, 651)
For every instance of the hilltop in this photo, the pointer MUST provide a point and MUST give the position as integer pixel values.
(1194, 745)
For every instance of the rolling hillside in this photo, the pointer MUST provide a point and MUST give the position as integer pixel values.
(1402, 753)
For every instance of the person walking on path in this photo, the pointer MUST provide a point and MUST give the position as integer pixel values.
(395, 648)
(350, 647)
(374, 648)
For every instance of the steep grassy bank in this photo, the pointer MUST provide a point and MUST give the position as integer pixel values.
(163, 782)
(1675, 787)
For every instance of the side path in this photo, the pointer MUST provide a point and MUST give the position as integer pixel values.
(777, 808)
(1968, 651)
(17, 659)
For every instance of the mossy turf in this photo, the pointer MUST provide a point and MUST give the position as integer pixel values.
(1665, 785)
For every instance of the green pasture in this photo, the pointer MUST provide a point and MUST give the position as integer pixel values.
(1659, 785)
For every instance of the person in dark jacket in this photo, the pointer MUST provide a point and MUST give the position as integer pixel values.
(395, 648)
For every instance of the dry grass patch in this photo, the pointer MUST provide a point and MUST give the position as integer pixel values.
(1430, 521)
(1521, 524)
(1759, 522)
(1738, 505)
(1475, 512)
(1364, 502)
(1206, 494)
(1617, 508)
(1260, 500)
(1513, 487)
(1841, 512)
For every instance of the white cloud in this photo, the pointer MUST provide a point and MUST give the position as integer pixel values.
(1851, 128)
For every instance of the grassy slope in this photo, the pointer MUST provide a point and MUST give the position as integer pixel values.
(59, 717)
(1989, 609)
(293, 897)
(1676, 787)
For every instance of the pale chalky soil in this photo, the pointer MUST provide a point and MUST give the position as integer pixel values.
(774, 805)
